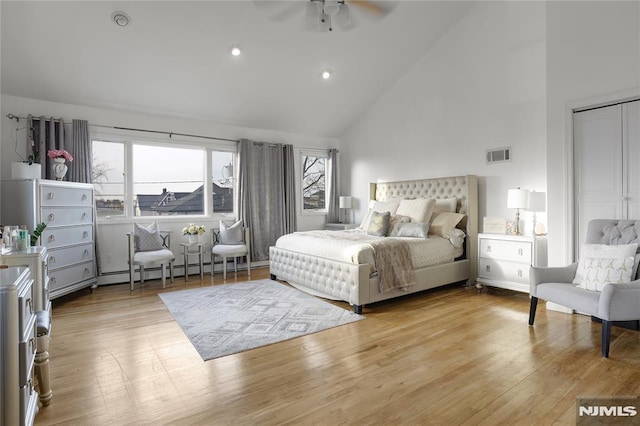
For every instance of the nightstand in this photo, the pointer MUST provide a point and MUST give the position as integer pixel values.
(339, 226)
(504, 260)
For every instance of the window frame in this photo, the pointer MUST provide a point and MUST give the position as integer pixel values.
(209, 147)
(320, 153)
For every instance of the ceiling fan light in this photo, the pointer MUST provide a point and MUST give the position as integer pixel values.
(326, 74)
(331, 8)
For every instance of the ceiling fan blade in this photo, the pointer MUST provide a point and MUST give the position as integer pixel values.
(379, 8)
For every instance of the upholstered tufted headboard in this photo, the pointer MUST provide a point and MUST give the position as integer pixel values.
(613, 231)
(464, 188)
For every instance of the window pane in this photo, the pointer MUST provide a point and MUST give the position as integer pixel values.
(223, 181)
(167, 181)
(107, 170)
(313, 182)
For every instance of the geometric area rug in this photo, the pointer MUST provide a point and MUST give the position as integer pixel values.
(226, 319)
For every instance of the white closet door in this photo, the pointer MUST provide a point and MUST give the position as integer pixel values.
(598, 167)
(631, 138)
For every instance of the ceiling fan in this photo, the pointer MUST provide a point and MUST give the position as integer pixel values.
(326, 15)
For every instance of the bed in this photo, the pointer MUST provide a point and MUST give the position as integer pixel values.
(351, 278)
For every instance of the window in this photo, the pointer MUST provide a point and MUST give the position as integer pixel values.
(223, 181)
(108, 178)
(314, 182)
(146, 179)
(167, 180)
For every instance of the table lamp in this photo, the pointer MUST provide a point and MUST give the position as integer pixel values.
(345, 204)
(518, 199)
(537, 203)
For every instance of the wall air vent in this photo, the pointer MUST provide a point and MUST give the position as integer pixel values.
(499, 155)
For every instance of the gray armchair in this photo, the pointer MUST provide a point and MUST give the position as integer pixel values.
(616, 303)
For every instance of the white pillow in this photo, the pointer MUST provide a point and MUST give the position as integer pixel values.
(602, 251)
(448, 205)
(379, 206)
(419, 210)
(230, 234)
(147, 238)
(596, 271)
(444, 223)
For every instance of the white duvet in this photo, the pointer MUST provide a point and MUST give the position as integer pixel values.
(353, 246)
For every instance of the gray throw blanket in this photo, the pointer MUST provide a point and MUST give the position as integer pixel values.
(394, 265)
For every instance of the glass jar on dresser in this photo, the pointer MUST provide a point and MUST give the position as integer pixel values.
(68, 210)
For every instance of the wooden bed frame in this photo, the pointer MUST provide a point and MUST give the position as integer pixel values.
(336, 280)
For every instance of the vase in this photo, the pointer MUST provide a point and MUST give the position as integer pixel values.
(59, 168)
(193, 239)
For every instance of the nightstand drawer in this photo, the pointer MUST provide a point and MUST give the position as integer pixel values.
(504, 271)
(517, 251)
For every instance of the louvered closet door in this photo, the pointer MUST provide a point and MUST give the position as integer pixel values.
(606, 165)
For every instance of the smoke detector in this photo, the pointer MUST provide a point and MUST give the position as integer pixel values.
(121, 19)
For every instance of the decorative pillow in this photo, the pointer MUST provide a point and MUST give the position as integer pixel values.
(147, 238)
(379, 224)
(414, 230)
(379, 206)
(598, 271)
(396, 221)
(602, 251)
(445, 205)
(444, 223)
(230, 234)
(419, 210)
(457, 237)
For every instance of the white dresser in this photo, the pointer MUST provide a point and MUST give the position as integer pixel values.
(67, 209)
(18, 398)
(504, 260)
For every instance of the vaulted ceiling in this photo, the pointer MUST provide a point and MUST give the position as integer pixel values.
(173, 59)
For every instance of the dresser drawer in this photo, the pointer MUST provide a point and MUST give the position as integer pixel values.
(28, 403)
(26, 313)
(65, 256)
(517, 251)
(60, 216)
(27, 354)
(56, 196)
(503, 271)
(58, 237)
(73, 274)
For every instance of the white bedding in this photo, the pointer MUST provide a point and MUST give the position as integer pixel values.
(352, 246)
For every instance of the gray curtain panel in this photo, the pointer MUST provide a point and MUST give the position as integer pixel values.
(80, 149)
(266, 200)
(45, 134)
(333, 210)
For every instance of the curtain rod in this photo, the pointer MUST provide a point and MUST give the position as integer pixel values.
(17, 118)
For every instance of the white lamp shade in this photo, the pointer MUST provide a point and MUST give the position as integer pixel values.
(518, 198)
(345, 202)
(537, 201)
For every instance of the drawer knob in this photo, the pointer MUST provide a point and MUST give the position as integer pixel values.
(50, 196)
(86, 271)
(52, 237)
(84, 197)
(84, 215)
(52, 259)
(489, 248)
(488, 268)
(53, 280)
(30, 305)
(51, 217)
(86, 252)
(85, 234)
(520, 273)
(520, 251)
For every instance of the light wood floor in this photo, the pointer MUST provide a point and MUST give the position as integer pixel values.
(446, 357)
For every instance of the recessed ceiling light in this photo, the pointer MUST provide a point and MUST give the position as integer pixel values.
(236, 50)
(121, 19)
(326, 74)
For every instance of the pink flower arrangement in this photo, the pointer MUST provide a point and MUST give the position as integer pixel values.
(59, 153)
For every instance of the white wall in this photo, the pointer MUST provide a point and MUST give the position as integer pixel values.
(593, 55)
(112, 234)
(482, 86)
